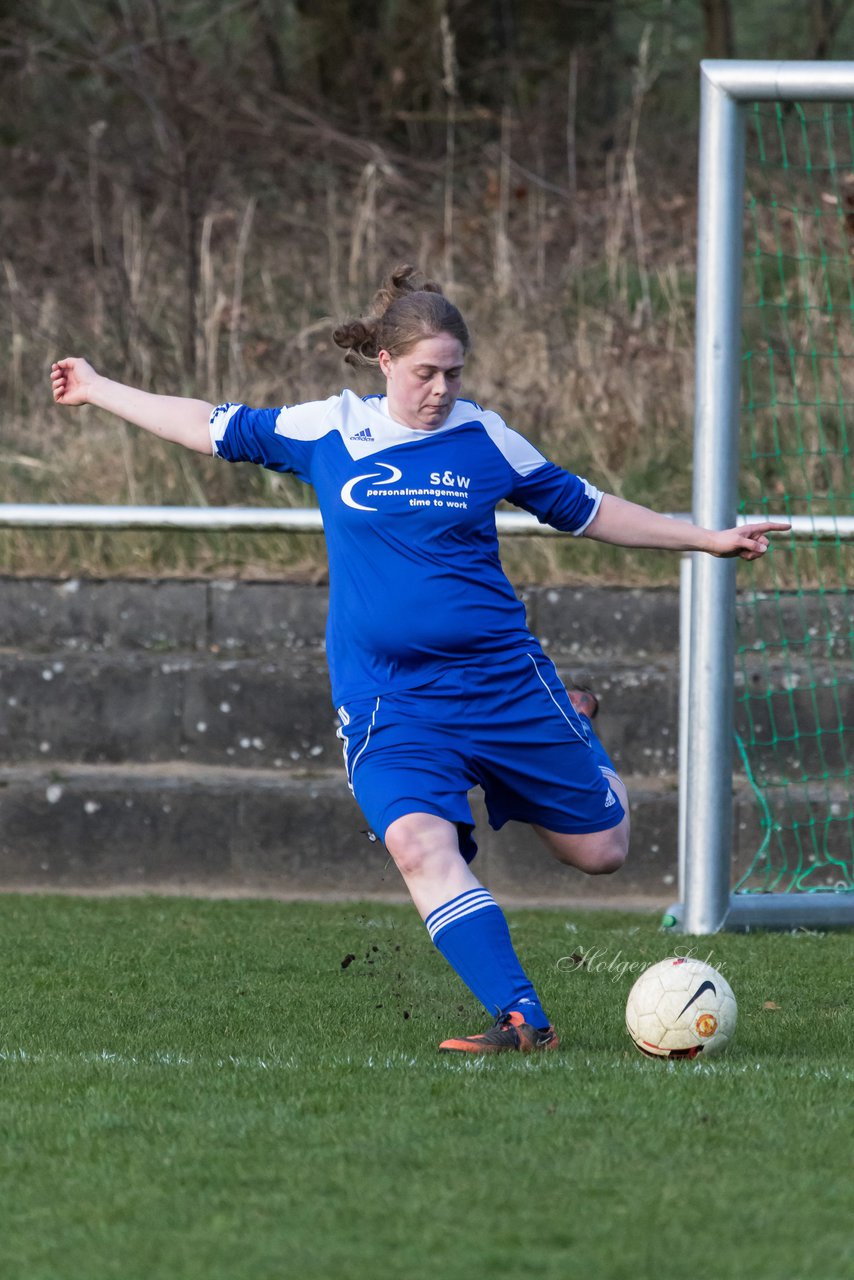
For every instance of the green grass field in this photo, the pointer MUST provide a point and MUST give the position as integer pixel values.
(207, 1089)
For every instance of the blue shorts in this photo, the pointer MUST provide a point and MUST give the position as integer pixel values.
(507, 726)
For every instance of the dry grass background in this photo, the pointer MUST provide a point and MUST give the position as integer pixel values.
(192, 227)
(579, 341)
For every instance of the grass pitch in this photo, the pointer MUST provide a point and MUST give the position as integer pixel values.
(252, 1089)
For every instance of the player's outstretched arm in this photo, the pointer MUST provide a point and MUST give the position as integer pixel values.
(628, 525)
(184, 421)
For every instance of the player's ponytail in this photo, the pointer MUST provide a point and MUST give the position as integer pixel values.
(402, 313)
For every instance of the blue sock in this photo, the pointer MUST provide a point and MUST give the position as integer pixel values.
(472, 935)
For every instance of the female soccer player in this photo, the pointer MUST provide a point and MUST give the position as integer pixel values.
(438, 683)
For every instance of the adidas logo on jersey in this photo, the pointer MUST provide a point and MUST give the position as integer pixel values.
(363, 435)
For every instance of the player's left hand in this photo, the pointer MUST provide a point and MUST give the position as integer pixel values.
(748, 541)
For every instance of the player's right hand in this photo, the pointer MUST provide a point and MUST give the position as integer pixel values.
(71, 380)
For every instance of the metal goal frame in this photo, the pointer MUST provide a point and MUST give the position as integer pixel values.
(706, 741)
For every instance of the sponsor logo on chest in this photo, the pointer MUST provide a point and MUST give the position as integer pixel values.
(444, 489)
(448, 479)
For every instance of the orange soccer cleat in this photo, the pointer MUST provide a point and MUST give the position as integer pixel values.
(510, 1032)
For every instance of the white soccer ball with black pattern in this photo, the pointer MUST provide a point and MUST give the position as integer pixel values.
(680, 1008)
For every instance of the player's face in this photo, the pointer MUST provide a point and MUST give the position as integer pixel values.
(422, 385)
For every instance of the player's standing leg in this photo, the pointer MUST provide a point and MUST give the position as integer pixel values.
(469, 929)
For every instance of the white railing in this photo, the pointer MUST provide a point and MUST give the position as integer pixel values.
(46, 515)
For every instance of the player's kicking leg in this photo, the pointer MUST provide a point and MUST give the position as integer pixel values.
(598, 852)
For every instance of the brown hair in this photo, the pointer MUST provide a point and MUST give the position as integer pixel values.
(402, 313)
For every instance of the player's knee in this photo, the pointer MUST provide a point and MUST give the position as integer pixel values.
(599, 854)
(416, 845)
(609, 855)
(410, 856)
(608, 860)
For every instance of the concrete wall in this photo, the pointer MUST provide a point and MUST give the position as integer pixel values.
(179, 736)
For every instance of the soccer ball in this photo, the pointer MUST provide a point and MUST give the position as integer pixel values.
(679, 1008)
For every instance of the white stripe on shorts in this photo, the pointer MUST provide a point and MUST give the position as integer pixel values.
(361, 752)
(573, 727)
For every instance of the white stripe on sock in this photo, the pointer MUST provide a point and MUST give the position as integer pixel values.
(477, 900)
(436, 916)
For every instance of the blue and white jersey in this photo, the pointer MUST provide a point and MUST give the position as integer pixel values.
(416, 582)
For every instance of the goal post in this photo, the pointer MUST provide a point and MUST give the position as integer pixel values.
(707, 745)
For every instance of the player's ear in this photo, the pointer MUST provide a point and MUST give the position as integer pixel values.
(385, 363)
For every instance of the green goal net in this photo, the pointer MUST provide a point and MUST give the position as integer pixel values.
(795, 666)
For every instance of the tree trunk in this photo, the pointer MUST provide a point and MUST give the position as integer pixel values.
(825, 21)
(718, 34)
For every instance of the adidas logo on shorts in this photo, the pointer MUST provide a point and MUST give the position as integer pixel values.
(610, 799)
(363, 435)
